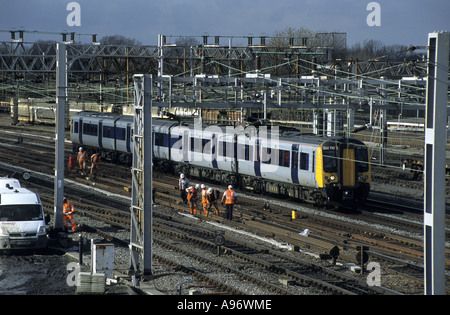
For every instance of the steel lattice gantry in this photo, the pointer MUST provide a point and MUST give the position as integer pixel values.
(27, 69)
(289, 60)
(311, 92)
(141, 202)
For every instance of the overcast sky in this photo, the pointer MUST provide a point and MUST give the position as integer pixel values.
(402, 22)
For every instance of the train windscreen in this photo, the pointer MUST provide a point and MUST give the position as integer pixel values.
(330, 162)
(362, 158)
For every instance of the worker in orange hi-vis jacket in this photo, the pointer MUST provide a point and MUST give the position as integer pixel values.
(211, 196)
(204, 199)
(192, 199)
(82, 158)
(95, 159)
(68, 218)
(229, 197)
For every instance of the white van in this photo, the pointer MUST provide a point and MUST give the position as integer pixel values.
(22, 219)
(6, 182)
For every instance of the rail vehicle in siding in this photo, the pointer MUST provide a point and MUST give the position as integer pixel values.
(326, 171)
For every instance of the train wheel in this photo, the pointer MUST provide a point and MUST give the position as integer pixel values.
(257, 186)
(319, 201)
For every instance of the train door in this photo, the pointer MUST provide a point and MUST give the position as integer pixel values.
(214, 151)
(186, 146)
(348, 167)
(234, 162)
(80, 131)
(128, 138)
(294, 164)
(257, 158)
(100, 133)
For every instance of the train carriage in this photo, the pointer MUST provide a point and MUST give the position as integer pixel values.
(322, 170)
(107, 133)
(85, 130)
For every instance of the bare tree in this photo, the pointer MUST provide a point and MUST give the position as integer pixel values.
(187, 42)
(374, 49)
(282, 38)
(119, 40)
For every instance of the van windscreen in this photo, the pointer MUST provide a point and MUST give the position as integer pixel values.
(21, 213)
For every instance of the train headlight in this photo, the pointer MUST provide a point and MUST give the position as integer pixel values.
(332, 177)
(363, 178)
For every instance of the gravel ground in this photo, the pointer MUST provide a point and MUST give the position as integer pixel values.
(168, 280)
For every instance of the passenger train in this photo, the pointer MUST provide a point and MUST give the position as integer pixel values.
(331, 171)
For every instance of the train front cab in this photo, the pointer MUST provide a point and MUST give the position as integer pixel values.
(343, 172)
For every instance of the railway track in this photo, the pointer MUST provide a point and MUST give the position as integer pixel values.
(324, 230)
(249, 256)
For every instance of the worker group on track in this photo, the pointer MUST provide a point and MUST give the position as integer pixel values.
(82, 158)
(209, 197)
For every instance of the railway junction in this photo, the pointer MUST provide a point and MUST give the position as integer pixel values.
(291, 248)
(262, 228)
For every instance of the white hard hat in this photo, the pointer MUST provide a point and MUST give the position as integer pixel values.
(203, 186)
(197, 186)
(81, 148)
(182, 175)
(230, 187)
(209, 190)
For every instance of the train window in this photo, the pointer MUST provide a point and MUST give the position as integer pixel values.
(257, 153)
(362, 156)
(75, 127)
(266, 155)
(108, 132)
(159, 139)
(232, 150)
(90, 129)
(227, 149)
(176, 142)
(196, 145)
(222, 148)
(245, 152)
(329, 160)
(304, 161)
(248, 153)
(206, 147)
(241, 151)
(313, 162)
(295, 159)
(283, 158)
(120, 133)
